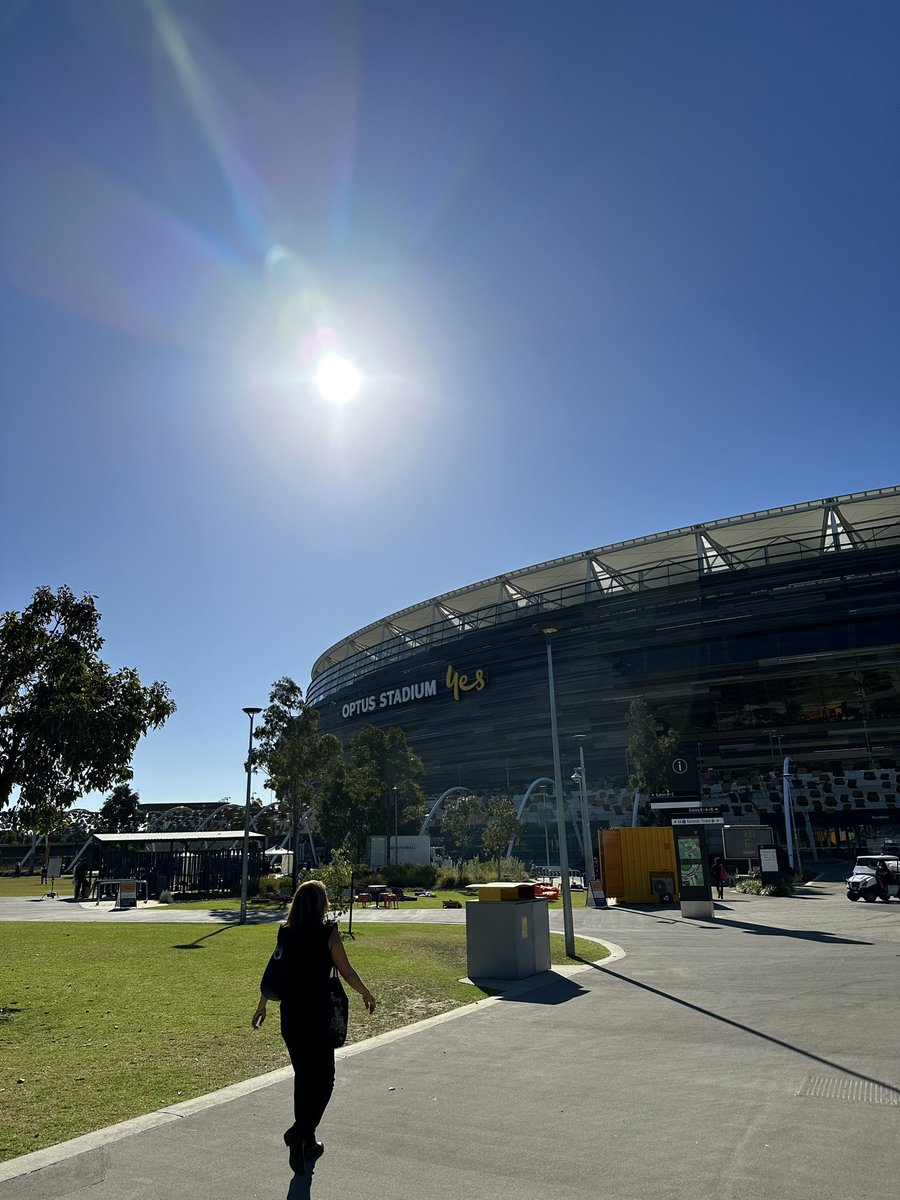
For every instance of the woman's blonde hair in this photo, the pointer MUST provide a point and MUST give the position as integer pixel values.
(309, 905)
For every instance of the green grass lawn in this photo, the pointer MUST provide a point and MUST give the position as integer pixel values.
(436, 901)
(30, 885)
(98, 1024)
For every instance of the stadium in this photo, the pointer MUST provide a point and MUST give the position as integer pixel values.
(769, 634)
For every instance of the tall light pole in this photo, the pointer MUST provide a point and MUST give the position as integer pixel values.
(548, 631)
(245, 853)
(396, 847)
(580, 738)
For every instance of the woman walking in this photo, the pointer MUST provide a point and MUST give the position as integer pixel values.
(720, 878)
(310, 946)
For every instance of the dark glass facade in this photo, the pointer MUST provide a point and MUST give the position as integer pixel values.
(799, 657)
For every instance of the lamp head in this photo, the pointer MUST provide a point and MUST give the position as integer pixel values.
(547, 630)
(251, 712)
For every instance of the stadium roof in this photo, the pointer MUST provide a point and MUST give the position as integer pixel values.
(765, 538)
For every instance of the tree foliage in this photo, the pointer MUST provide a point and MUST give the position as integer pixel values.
(296, 758)
(119, 812)
(346, 811)
(649, 751)
(458, 822)
(502, 827)
(68, 723)
(383, 761)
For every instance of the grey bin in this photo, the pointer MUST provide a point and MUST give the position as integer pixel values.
(507, 932)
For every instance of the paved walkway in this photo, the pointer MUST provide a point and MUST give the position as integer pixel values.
(755, 1056)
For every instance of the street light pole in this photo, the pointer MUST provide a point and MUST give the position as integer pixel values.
(585, 820)
(396, 847)
(548, 631)
(245, 853)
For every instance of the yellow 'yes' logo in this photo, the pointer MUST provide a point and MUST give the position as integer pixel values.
(458, 684)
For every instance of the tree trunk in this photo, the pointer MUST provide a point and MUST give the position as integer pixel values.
(295, 846)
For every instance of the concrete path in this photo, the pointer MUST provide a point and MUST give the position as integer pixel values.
(751, 1057)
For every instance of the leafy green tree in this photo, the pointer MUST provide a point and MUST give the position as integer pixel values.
(389, 772)
(294, 755)
(457, 826)
(346, 811)
(68, 724)
(649, 751)
(502, 827)
(336, 877)
(119, 812)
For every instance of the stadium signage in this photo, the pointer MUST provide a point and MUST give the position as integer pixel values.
(455, 683)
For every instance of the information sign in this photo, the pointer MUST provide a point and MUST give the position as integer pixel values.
(698, 820)
(693, 864)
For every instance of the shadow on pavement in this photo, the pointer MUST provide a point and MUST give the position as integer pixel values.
(807, 935)
(766, 1037)
(556, 991)
(301, 1185)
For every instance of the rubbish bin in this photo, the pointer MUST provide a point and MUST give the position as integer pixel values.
(507, 932)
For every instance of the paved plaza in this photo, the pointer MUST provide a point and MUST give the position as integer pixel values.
(754, 1056)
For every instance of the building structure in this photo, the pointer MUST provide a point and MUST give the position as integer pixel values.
(757, 636)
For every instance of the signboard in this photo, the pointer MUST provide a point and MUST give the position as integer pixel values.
(698, 820)
(768, 860)
(664, 800)
(693, 862)
(128, 893)
(681, 774)
(743, 841)
(457, 683)
(54, 867)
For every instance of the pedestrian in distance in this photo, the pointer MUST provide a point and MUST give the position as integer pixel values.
(310, 947)
(43, 873)
(720, 877)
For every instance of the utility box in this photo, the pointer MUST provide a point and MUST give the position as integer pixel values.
(638, 864)
(507, 932)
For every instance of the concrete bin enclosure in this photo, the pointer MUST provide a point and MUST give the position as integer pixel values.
(507, 932)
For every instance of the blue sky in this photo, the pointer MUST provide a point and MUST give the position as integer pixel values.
(607, 269)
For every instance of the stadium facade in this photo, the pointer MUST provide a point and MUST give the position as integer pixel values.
(776, 632)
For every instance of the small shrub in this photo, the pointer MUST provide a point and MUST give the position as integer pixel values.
(752, 887)
(273, 885)
(474, 871)
(165, 896)
(777, 889)
(410, 875)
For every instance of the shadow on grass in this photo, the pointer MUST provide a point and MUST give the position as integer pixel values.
(195, 944)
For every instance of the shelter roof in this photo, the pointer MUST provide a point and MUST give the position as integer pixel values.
(205, 835)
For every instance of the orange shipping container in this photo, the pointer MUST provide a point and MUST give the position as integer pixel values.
(638, 865)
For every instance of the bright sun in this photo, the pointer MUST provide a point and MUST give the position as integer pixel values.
(337, 379)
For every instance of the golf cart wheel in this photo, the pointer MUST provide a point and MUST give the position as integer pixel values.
(869, 897)
(854, 896)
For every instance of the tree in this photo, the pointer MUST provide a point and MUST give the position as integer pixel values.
(456, 825)
(68, 724)
(502, 827)
(388, 772)
(119, 811)
(346, 811)
(649, 753)
(295, 756)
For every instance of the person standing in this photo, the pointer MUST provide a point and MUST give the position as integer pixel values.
(311, 946)
(720, 876)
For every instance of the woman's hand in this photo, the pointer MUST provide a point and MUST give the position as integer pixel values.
(369, 1001)
(259, 1016)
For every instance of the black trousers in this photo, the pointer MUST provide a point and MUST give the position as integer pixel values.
(313, 1061)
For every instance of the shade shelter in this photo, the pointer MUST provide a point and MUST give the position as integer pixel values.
(200, 864)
